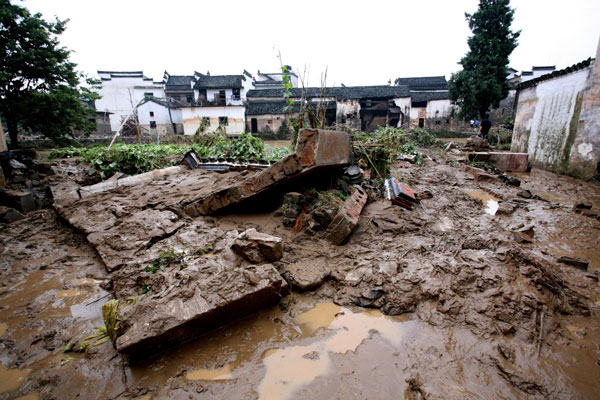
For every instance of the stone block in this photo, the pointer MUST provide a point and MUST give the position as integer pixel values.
(257, 247)
(346, 220)
(217, 297)
(21, 200)
(8, 215)
(316, 150)
(304, 275)
(477, 173)
(504, 161)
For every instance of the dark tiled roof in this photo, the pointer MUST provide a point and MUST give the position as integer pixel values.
(424, 83)
(340, 93)
(219, 82)
(555, 74)
(170, 103)
(179, 82)
(428, 96)
(543, 68)
(276, 107)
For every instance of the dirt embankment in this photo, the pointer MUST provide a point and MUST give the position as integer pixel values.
(483, 315)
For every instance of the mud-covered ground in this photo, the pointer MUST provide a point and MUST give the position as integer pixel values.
(452, 306)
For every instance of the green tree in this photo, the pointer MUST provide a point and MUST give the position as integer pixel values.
(482, 81)
(39, 86)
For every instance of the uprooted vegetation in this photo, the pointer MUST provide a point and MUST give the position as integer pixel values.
(134, 159)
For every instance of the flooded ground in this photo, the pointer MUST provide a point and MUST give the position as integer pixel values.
(470, 313)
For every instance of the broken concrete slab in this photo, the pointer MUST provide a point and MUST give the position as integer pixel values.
(305, 275)
(504, 161)
(477, 173)
(221, 295)
(258, 247)
(65, 198)
(575, 262)
(524, 234)
(23, 201)
(122, 243)
(317, 150)
(8, 215)
(346, 220)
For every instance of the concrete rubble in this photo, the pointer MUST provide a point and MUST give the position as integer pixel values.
(187, 275)
(504, 161)
(316, 150)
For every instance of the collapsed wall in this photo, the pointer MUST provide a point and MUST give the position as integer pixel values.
(175, 277)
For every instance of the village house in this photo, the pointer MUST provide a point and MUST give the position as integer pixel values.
(180, 87)
(274, 80)
(160, 116)
(219, 101)
(121, 91)
(417, 102)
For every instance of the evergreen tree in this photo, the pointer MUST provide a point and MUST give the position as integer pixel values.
(482, 81)
(39, 87)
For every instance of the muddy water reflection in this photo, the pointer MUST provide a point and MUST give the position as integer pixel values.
(490, 203)
(289, 368)
(321, 331)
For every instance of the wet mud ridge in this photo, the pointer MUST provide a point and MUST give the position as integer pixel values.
(482, 289)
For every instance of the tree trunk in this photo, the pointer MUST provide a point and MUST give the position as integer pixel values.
(13, 132)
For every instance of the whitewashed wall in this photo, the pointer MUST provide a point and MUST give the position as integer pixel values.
(119, 95)
(192, 118)
(546, 124)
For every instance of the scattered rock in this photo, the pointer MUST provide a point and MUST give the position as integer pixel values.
(257, 247)
(525, 234)
(16, 164)
(575, 262)
(9, 215)
(21, 200)
(304, 275)
(346, 220)
(526, 194)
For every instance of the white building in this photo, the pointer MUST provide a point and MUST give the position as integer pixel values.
(219, 100)
(121, 91)
(274, 80)
(160, 116)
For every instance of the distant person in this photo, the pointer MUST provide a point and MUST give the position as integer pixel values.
(472, 123)
(486, 124)
(476, 123)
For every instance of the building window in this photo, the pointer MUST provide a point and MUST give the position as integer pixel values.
(148, 94)
(236, 94)
(152, 124)
(421, 122)
(152, 113)
(223, 121)
(190, 99)
(269, 121)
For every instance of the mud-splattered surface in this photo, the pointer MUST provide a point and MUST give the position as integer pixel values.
(471, 312)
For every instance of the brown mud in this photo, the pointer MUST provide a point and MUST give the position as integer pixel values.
(437, 302)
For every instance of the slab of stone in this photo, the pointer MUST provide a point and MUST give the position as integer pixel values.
(122, 243)
(504, 161)
(8, 215)
(316, 151)
(21, 200)
(477, 173)
(304, 275)
(575, 262)
(258, 247)
(346, 220)
(209, 292)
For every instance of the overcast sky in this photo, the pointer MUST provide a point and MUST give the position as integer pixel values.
(359, 42)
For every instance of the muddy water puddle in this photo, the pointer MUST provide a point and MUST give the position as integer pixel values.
(11, 379)
(490, 203)
(317, 334)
